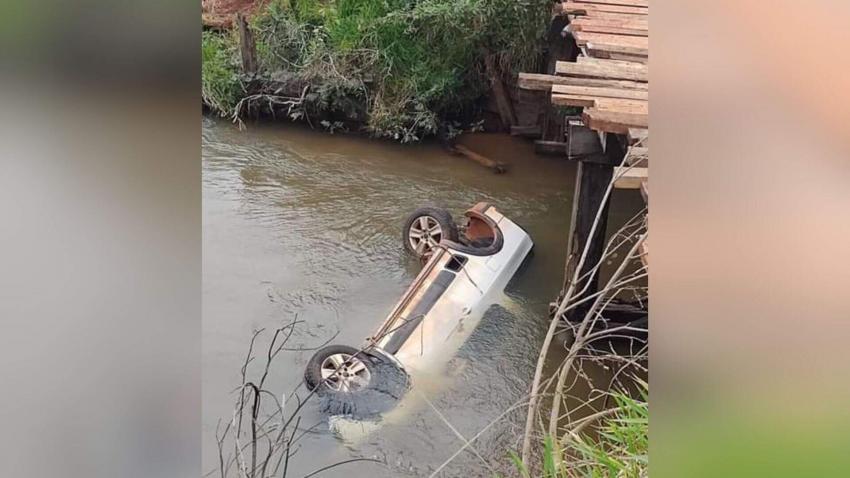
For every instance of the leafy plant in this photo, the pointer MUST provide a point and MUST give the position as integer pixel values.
(221, 88)
(404, 68)
(619, 449)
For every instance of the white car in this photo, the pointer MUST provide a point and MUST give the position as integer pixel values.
(465, 271)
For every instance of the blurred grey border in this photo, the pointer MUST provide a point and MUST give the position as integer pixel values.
(100, 250)
(100, 239)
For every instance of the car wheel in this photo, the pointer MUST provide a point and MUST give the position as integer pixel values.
(425, 228)
(339, 368)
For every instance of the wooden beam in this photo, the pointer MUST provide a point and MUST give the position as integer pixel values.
(503, 99)
(540, 82)
(596, 15)
(613, 71)
(591, 8)
(602, 104)
(637, 23)
(247, 50)
(601, 92)
(590, 199)
(581, 140)
(630, 178)
(573, 28)
(613, 55)
(630, 3)
(584, 38)
(613, 122)
(639, 135)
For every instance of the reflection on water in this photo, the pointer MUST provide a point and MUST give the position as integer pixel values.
(301, 222)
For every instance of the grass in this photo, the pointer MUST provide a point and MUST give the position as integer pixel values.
(402, 68)
(221, 87)
(620, 448)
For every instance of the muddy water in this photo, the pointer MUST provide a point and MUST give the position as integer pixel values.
(302, 222)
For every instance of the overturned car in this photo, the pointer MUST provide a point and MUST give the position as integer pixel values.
(465, 269)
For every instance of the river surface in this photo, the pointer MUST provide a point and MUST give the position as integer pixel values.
(303, 222)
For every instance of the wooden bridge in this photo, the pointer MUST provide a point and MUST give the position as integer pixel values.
(602, 76)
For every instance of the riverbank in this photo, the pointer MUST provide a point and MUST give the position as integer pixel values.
(389, 68)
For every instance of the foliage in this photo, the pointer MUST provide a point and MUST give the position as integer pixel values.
(619, 449)
(221, 88)
(403, 67)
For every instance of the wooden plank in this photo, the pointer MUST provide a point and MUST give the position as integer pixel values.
(595, 15)
(615, 49)
(540, 82)
(639, 135)
(247, 48)
(572, 28)
(612, 121)
(637, 23)
(602, 104)
(630, 3)
(584, 38)
(611, 71)
(601, 92)
(603, 62)
(630, 178)
(590, 8)
(644, 59)
(503, 99)
(622, 105)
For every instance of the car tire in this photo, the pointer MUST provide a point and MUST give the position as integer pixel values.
(421, 223)
(313, 374)
(386, 383)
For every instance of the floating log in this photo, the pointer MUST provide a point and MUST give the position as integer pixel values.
(496, 166)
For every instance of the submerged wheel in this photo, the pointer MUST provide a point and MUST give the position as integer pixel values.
(339, 368)
(425, 228)
(351, 382)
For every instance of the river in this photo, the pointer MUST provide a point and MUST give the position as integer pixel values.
(302, 222)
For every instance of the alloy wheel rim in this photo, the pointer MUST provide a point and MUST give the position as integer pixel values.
(345, 373)
(424, 234)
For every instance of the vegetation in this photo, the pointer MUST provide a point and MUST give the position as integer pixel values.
(402, 68)
(619, 449)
